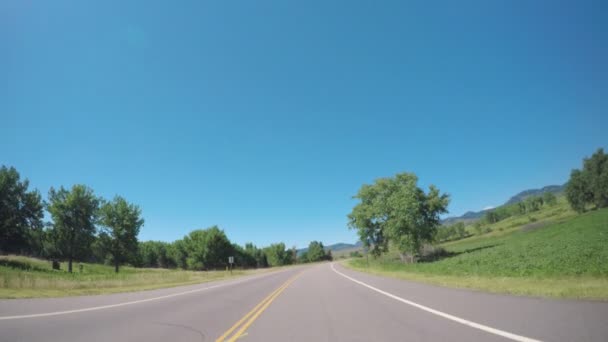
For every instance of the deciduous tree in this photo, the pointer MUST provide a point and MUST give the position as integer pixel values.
(316, 251)
(589, 186)
(21, 213)
(396, 210)
(277, 255)
(121, 221)
(207, 248)
(74, 215)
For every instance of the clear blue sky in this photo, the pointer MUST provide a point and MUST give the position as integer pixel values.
(266, 117)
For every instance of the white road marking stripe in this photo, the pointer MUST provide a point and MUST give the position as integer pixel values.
(94, 308)
(485, 328)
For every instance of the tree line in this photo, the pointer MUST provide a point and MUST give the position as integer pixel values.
(315, 252)
(79, 220)
(210, 248)
(86, 227)
(527, 206)
(454, 231)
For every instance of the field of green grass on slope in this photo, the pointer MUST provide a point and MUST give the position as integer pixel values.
(559, 212)
(22, 277)
(568, 259)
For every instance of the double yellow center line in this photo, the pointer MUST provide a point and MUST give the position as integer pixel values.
(252, 315)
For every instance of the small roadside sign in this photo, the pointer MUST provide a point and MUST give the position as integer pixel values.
(231, 262)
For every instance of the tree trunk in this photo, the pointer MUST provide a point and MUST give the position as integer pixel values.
(407, 258)
(403, 257)
(71, 251)
(115, 265)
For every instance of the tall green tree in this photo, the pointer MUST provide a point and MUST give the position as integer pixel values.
(177, 254)
(589, 186)
(21, 213)
(277, 255)
(155, 254)
(578, 191)
(121, 221)
(596, 168)
(257, 254)
(74, 213)
(100, 249)
(396, 210)
(207, 248)
(316, 251)
(148, 252)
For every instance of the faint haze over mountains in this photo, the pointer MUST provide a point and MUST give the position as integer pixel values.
(474, 215)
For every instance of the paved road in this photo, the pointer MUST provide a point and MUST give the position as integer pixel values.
(323, 302)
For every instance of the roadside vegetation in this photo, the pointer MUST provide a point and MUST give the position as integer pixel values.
(560, 258)
(546, 245)
(316, 252)
(38, 258)
(25, 277)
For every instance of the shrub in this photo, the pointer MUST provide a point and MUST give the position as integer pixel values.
(355, 254)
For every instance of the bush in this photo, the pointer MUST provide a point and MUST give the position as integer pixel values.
(478, 228)
(433, 253)
(452, 232)
(356, 254)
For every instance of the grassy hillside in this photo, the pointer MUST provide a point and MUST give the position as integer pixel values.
(554, 253)
(344, 253)
(22, 277)
(555, 189)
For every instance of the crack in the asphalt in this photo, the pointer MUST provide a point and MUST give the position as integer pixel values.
(203, 337)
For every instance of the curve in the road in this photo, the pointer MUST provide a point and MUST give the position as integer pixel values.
(471, 324)
(109, 306)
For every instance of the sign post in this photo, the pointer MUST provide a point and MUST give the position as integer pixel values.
(231, 261)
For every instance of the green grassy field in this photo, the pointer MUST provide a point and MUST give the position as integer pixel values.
(22, 277)
(559, 212)
(556, 253)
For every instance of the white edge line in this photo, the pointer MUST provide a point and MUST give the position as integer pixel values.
(94, 308)
(485, 328)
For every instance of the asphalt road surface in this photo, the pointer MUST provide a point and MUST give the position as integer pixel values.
(323, 302)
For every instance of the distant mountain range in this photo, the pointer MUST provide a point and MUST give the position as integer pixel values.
(533, 192)
(335, 247)
(470, 216)
(467, 217)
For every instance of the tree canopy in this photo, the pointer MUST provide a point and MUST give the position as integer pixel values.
(21, 213)
(207, 248)
(395, 210)
(316, 252)
(277, 255)
(85, 227)
(74, 213)
(589, 186)
(121, 221)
